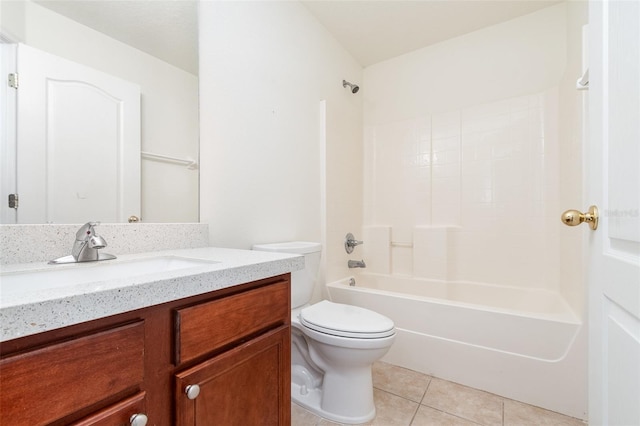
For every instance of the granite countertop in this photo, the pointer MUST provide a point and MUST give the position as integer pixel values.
(26, 312)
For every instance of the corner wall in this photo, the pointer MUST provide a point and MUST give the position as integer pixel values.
(278, 164)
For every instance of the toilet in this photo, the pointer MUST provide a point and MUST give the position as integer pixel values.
(332, 345)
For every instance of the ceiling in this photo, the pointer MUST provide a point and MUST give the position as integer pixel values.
(371, 30)
(166, 29)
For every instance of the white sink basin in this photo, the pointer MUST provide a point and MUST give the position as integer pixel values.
(56, 276)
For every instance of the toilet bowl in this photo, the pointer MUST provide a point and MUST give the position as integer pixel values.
(332, 346)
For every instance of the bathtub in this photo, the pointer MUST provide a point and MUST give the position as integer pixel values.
(523, 344)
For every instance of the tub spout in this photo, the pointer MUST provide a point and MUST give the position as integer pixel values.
(356, 264)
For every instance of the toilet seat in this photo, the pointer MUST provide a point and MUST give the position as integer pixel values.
(341, 320)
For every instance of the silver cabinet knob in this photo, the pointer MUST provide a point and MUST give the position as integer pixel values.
(192, 391)
(138, 420)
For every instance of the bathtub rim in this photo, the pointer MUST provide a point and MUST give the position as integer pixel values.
(568, 316)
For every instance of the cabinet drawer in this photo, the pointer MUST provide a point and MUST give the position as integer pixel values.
(46, 384)
(208, 326)
(118, 414)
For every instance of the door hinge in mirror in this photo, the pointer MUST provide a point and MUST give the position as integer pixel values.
(13, 80)
(13, 201)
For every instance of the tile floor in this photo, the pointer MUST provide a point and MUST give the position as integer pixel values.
(404, 397)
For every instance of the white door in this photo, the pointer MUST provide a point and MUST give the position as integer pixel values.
(613, 183)
(78, 151)
(7, 132)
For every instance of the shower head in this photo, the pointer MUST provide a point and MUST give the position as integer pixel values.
(354, 87)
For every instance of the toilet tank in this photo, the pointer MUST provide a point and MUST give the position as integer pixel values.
(302, 282)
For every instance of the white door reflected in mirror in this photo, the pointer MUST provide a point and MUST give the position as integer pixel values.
(78, 150)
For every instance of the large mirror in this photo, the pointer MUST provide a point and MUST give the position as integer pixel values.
(150, 44)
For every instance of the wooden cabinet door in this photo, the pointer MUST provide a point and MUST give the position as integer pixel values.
(247, 385)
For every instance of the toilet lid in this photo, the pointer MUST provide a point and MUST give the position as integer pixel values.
(346, 321)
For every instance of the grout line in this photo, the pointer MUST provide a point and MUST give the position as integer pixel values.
(420, 403)
(395, 394)
(454, 415)
(426, 390)
(415, 413)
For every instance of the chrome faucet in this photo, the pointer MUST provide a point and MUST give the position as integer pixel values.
(356, 264)
(86, 246)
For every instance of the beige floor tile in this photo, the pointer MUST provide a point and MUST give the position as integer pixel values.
(325, 422)
(427, 416)
(519, 414)
(302, 417)
(392, 410)
(472, 404)
(400, 381)
(398, 390)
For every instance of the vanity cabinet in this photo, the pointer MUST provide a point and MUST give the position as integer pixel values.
(231, 345)
(248, 384)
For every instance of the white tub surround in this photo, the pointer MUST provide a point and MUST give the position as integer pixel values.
(27, 312)
(521, 343)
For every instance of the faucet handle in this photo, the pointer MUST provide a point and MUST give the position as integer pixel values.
(86, 230)
(85, 247)
(350, 242)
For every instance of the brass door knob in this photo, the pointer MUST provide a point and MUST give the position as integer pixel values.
(575, 217)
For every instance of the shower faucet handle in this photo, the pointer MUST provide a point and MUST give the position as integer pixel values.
(350, 242)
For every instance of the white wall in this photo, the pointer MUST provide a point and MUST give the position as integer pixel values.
(464, 157)
(265, 67)
(169, 101)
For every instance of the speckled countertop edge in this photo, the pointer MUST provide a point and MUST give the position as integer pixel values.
(40, 243)
(30, 313)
